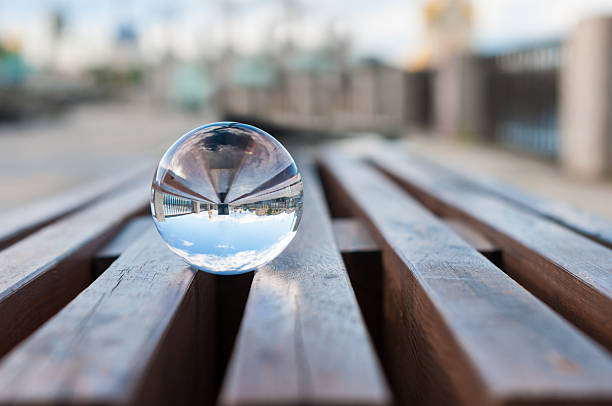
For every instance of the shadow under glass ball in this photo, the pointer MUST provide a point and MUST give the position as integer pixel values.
(227, 197)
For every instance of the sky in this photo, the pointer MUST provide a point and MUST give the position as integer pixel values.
(389, 30)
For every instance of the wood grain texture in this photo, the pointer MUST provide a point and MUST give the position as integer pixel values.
(302, 340)
(363, 260)
(30, 217)
(115, 247)
(457, 329)
(478, 241)
(588, 224)
(230, 292)
(353, 236)
(43, 272)
(143, 333)
(566, 270)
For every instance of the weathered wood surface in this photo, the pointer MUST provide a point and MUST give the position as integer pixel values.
(457, 329)
(302, 338)
(588, 224)
(142, 333)
(115, 247)
(363, 261)
(568, 271)
(353, 236)
(473, 237)
(30, 217)
(43, 272)
(230, 293)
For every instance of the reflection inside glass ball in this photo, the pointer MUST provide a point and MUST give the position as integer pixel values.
(227, 197)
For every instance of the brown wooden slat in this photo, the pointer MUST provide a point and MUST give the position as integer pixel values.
(302, 339)
(231, 293)
(566, 270)
(142, 333)
(595, 227)
(124, 238)
(43, 272)
(473, 237)
(588, 224)
(457, 329)
(353, 236)
(29, 217)
(363, 260)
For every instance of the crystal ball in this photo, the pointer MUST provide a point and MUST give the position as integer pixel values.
(227, 197)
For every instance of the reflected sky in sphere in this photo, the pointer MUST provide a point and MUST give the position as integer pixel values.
(227, 197)
(236, 243)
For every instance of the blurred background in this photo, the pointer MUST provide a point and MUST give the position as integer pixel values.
(515, 89)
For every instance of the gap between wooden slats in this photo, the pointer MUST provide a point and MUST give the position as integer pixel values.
(29, 217)
(303, 340)
(43, 272)
(142, 334)
(566, 270)
(456, 328)
(590, 225)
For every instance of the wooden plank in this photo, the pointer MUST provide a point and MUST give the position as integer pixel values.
(302, 340)
(478, 241)
(457, 329)
(27, 218)
(595, 227)
(43, 272)
(363, 260)
(353, 236)
(142, 333)
(592, 226)
(113, 249)
(231, 293)
(566, 270)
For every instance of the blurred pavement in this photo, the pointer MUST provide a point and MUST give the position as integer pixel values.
(46, 156)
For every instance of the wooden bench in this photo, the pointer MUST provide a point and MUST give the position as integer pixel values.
(396, 290)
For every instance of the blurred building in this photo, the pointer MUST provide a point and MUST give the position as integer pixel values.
(551, 99)
(252, 86)
(127, 57)
(316, 89)
(449, 25)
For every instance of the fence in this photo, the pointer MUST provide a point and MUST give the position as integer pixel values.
(523, 99)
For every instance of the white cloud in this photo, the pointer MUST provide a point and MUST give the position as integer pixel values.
(501, 23)
(391, 30)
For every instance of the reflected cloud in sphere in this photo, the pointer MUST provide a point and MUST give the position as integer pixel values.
(227, 197)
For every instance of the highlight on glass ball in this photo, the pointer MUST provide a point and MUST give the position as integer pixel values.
(227, 197)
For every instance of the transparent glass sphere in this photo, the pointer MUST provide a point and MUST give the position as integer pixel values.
(227, 197)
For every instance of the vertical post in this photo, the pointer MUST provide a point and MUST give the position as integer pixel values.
(417, 100)
(446, 99)
(391, 99)
(195, 206)
(158, 205)
(364, 94)
(586, 100)
(459, 96)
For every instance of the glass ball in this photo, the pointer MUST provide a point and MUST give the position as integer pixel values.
(227, 197)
